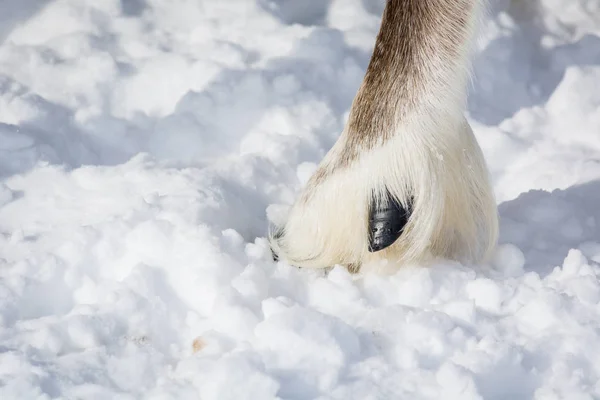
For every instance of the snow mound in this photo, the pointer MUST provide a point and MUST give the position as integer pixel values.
(142, 143)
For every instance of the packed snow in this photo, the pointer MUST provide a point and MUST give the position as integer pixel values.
(144, 145)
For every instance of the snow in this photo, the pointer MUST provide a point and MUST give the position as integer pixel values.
(144, 142)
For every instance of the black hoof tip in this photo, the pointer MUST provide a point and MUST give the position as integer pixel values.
(386, 223)
(275, 234)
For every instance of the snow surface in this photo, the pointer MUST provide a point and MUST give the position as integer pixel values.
(144, 142)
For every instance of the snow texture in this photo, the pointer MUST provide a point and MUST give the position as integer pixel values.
(143, 143)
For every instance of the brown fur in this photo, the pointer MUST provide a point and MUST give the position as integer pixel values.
(413, 34)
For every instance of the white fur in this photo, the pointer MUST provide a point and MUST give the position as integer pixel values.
(433, 160)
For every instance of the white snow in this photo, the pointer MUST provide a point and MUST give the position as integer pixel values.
(142, 143)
